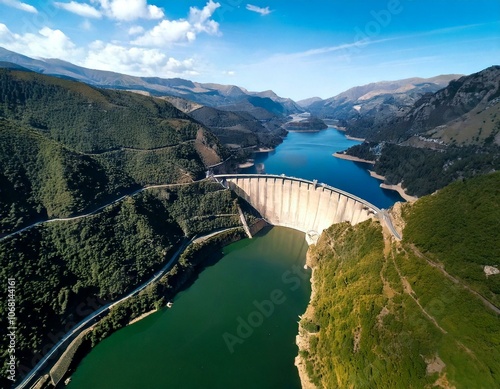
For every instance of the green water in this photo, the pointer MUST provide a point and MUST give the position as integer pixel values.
(201, 342)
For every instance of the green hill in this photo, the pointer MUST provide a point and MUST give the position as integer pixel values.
(67, 148)
(66, 270)
(420, 313)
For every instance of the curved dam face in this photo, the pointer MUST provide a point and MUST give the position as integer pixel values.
(299, 204)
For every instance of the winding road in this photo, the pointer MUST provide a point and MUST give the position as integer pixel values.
(95, 211)
(80, 326)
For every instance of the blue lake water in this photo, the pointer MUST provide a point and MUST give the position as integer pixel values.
(308, 155)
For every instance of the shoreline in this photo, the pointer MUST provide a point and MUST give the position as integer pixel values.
(264, 150)
(248, 163)
(138, 318)
(351, 158)
(398, 188)
(354, 138)
(375, 175)
(303, 337)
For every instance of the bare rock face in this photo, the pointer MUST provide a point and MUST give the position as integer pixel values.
(491, 270)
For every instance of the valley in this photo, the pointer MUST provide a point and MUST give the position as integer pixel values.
(105, 189)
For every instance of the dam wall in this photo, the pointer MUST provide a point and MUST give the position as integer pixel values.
(299, 204)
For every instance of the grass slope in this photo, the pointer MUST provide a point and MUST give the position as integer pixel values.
(385, 315)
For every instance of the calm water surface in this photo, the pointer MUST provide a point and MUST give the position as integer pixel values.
(201, 342)
(309, 155)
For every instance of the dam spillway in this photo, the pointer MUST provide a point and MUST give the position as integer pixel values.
(299, 204)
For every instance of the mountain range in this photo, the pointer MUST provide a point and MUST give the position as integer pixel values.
(362, 107)
(412, 117)
(449, 135)
(215, 95)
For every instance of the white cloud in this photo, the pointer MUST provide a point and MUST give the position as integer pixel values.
(200, 19)
(47, 43)
(122, 10)
(182, 30)
(259, 10)
(229, 73)
(180, 68)
(135, 30)
(167, 31)
(22, 6)
(136, 61)
(81, 9)
(128, 10)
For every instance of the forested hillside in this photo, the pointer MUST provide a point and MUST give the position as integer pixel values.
(66, 270)
(423, 170)
(413, 314)
(67, 147)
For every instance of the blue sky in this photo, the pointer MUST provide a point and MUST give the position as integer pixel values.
(297, 48)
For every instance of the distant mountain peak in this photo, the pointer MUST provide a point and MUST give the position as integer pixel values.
(209, 94)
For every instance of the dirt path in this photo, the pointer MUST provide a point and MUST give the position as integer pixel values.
(409, 291)
(440, 267)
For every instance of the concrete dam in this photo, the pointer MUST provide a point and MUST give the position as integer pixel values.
(299, 204)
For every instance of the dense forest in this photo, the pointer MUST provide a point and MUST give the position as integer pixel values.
(66, 147)
(60, 267)
(394, 315)
(88, 119)
(423, 171)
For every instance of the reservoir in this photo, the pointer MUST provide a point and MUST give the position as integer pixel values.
(235, 326)
(201, 342)
(308, 155)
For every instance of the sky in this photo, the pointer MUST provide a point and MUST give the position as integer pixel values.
(297, 48)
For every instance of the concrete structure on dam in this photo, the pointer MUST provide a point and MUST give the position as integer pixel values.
(299, 204)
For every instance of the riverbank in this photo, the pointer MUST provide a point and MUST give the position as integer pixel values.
(264, 150)
(146, 314)
(303, 338)
(375, 175)
(351, 158)
(354, 138)
(398, 188)
(247, 164)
